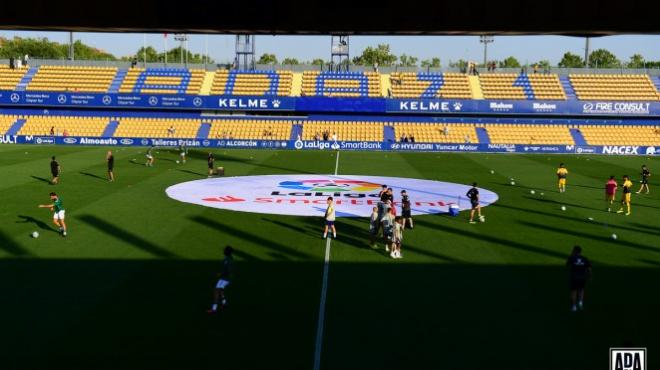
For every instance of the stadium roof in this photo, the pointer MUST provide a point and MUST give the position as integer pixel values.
(439, 17)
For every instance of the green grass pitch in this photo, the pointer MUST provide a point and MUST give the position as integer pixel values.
(129, 287)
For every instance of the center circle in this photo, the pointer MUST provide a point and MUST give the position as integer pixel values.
(305, 195)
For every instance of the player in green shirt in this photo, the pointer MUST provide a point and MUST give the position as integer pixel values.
(58, 212)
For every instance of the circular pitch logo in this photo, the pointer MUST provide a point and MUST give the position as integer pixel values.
(305, 195)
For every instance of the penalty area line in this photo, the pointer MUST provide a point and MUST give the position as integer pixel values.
(321, 323)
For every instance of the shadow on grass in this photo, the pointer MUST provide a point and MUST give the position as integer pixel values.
(41, 179)
(604, 239)
(38, 223)
(491, 239)
(11, 247)
(263, 241)
(126, 236)
(98, 305)
(93, 175)
(586, 221)
(192, 172)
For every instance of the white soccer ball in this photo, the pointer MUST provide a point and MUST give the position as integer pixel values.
(492, 172)
(35, 234)
(482, 219)
(563, 208)
(614, 236)
(542, 194)
(513, 182)
(591, 218)
(177, 162)
(532, 192)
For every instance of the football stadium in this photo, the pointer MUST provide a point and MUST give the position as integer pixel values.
(339, 215)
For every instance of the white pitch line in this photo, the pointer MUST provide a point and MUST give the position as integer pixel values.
(324, 293)
(321, 322)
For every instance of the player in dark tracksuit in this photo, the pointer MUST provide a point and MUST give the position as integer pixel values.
(579, 271)
(645, 179)
(473, 195)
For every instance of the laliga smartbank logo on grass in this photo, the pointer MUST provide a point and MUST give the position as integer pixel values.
(330, 185)
(305, 195)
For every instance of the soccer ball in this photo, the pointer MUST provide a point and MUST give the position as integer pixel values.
(614, 236)
(482, 219)
(513, 182)
(492, 172)
(532, 192)
(563, 208)
(177, 162)
(541, 194)
(35, 234)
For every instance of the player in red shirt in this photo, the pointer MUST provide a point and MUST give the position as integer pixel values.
(610, 192)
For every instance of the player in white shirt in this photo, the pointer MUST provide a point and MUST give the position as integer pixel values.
(330, 219)
(374, 224)
(397, 238)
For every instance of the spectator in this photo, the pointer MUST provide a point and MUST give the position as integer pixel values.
(536, 68)
(445, 131)
(52, 130)
(467, 139)
(25, 60)
(412, 138)
(170, 131)
(65, 133)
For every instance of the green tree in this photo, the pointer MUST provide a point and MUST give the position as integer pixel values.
(290, 61)
(317, 62)
(570, 60)
(407, 61)
(85, 52)
(44, 49)
(510, 62)
(380, 54)
(431, 63)
(543, 64)
(603, 58)
(267, 59)
(461, 63)
(636, 61)
(152, 55)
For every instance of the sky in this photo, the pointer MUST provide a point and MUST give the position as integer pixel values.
(527, 49)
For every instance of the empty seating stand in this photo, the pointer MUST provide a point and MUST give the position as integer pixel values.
(529, 134)
(9, 77)
(251, 129)
(72, 78)
(430, 85)
(521, 86)
(341, 84)
(458, 133)
(254, 83)
(163, 81)
(621, 134)
(69, 125)
(157, 127)
(614, 87)
(344, 130)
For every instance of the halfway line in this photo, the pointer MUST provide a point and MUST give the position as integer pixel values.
(321, 322)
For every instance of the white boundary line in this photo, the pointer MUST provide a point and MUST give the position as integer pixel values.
(324, 293)
(321, 322)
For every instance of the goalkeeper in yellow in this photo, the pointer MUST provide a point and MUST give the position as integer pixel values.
(562, 172)
(625, 198)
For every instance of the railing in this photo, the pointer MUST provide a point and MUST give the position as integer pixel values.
(311, 67)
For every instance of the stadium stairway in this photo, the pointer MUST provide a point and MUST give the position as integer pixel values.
(578, 138)
(482, 135)
(110, 129)
(207, 83)
(27, 78)
(389, 134)
(522, 81)
(203, 131)
(296, 84)
(568, 87)
(475, 85)
(117, 81)
(656, 82)
(385, 84)
(16, 127)
(296, 131)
